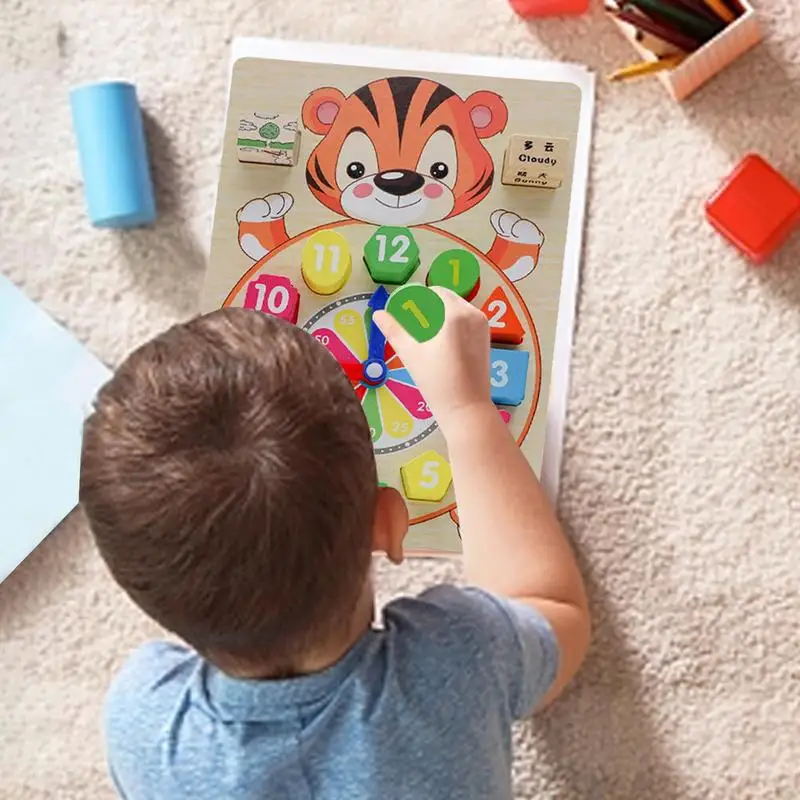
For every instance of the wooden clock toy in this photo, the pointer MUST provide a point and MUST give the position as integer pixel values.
(345, 189)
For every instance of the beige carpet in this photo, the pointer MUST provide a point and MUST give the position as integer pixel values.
(682, 463)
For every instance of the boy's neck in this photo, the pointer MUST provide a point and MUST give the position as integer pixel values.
(327, 656)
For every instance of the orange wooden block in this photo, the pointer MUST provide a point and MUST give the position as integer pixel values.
(504, 324)
(756, 208)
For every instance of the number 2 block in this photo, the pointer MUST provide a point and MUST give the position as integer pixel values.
(504, 324)
(275, 295)
(426, 477)
(508, 374)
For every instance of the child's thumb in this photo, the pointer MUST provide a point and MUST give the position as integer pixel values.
(396, 334)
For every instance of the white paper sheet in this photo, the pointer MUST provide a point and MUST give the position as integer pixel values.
(47, 383)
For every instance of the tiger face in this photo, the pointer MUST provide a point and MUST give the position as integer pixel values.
(401, 151)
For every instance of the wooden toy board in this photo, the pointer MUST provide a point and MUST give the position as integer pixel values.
(414, 141)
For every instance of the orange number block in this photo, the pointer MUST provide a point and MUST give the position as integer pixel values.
(756, 208)
(504, 324)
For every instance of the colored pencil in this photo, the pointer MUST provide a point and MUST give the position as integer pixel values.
(669, 35)
(698, 7)
(678, 18)
(647, 68)
(721, 10)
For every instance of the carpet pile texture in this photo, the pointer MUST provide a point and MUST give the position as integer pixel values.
(681, 469)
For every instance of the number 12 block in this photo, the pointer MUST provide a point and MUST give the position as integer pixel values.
(508, 375)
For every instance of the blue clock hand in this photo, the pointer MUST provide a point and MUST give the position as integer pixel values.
(377, 341)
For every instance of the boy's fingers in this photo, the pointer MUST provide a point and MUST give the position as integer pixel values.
(449, 297)
(397, 335)
(452, 301)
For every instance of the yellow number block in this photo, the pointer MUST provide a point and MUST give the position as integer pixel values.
(326, 262)
(426, 477)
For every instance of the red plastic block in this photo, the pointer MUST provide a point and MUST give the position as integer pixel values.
(756, 208)
(548, 8)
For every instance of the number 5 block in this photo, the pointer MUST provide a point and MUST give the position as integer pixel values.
(426, 477)
(275, 295)
(508, 374)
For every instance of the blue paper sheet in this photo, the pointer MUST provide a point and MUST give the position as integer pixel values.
(47, 383)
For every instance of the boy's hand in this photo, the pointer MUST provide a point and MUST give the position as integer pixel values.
(451, 369)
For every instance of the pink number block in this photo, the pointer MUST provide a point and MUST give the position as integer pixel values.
(275, 295)
(548, 8)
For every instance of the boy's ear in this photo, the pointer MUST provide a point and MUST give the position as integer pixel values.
(390, 524)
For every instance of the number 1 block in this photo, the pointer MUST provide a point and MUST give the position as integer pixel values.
(457, 270)
(426, 477)
(391, 255)
(326, 263)
(508, 375)
(418, 309)
(275, 295)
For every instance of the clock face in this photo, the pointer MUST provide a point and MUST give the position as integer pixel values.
(329, 285)
(397, 413)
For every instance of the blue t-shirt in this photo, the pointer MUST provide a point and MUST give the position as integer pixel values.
(419, 709)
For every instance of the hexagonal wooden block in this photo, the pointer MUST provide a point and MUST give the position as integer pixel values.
(391, 255)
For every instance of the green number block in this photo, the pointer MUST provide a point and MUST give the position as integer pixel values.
(458, 270)
(391, 255)
(418, 309)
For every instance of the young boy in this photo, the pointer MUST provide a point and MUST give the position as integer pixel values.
(229, 480)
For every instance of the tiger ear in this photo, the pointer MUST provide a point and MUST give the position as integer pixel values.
(321, 108)
(488, 113)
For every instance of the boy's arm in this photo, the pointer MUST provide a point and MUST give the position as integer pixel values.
(513, 544)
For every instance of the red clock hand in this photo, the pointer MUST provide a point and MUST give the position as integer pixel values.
(353, 371)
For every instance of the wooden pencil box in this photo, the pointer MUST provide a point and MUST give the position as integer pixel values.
(702, 65)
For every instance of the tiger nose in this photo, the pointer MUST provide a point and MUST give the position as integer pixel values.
(399, 182)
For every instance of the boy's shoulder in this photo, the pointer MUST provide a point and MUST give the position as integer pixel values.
(509, 646)
(151, 678)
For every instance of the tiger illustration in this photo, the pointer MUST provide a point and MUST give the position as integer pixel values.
(399, 151)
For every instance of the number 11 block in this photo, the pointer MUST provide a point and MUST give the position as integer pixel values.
(326, 262)
(508, 375)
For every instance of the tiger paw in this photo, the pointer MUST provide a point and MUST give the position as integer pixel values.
(514, 228)
(266, 209)
(516, 248)
(261, 226)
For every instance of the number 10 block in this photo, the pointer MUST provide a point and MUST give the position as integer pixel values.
(508, 375)
(275, 295)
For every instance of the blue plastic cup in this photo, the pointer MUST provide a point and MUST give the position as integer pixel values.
(113, 155)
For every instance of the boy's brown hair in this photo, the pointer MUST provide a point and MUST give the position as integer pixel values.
(229, 480)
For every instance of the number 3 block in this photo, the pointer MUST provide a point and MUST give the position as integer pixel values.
(426, 477)
(274, 295)
(508, 374)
